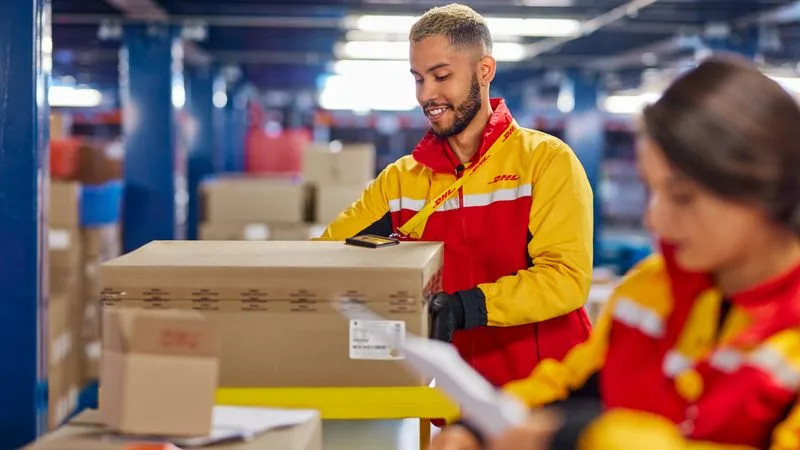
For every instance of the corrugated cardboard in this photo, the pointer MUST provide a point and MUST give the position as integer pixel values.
(331, 199)
(86, 432)
(158, 372)
(275, 303)
(65, 203)
(352, 164)
(255, 199)
(226, 231)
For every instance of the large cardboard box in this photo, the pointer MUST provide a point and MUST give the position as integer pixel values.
(276, 304)
(349, 164)
(158, 372)
(86, 432)
(255, 199)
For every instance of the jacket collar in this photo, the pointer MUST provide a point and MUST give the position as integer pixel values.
(435, 153)
(773, 305)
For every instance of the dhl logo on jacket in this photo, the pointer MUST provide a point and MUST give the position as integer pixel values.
(660, 354)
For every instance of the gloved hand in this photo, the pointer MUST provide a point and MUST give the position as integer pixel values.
(447, 314)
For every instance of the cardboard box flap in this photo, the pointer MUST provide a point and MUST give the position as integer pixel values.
(269, 270)
(182, 333)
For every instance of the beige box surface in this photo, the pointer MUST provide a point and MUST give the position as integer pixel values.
(65, 203)
(86, 432)
(227, 231)
(158, 371)
(331, 199)
(353, 164)
(276, 304)
(255, 199)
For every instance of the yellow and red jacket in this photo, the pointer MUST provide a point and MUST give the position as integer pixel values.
(722, 372)
(517, 236)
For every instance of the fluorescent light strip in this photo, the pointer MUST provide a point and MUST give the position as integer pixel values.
(389, 50)
(358, 35)
(67, 96)
(499, 26)
(362, 94)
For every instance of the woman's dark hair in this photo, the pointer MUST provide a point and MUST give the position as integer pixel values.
(734, 131)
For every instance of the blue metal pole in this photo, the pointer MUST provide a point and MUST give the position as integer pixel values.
(200, 84)
(235, 127)
(585, 133)
(24, 186)
(153, 95)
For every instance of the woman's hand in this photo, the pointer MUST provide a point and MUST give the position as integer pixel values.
(455, 438)
(535, 434)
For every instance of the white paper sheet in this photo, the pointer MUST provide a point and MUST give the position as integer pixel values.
(486, 407)
(233, 423)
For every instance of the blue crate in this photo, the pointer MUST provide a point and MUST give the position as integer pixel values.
(101, 205)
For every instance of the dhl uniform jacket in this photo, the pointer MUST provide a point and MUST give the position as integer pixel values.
(671, 356)
(517, 241)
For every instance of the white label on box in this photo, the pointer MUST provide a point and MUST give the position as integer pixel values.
(93, 350)
(59, 239)
(256, 232)
(366, 344)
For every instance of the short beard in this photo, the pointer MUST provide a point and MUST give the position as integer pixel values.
(465, 112)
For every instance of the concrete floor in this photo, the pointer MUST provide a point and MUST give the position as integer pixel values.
(372, 435)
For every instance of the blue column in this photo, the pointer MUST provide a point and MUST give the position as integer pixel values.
(585, 133)
(200, 87)
(235, 127)
(152, 93)
(24, 187)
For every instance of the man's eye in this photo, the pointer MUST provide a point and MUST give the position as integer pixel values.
(442, 78)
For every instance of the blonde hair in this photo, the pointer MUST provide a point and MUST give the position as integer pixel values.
(460, 24)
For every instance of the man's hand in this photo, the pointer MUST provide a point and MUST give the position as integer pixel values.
(447, 313)
(455, 438)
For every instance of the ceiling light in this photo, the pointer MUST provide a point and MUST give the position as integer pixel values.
(627, 103)
(499, 26)
(384, 67)
(68, 96)
(359, 35)
(398, 50)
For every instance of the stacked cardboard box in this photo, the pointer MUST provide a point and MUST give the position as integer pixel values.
(338, 174)
(283, 208)
(254, 208)
(275, 304)
(78, 244)
(65, 290)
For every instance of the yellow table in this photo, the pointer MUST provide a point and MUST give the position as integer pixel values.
(346, 403)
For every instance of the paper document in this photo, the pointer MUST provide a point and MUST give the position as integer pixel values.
(232, 423)
(485, 407)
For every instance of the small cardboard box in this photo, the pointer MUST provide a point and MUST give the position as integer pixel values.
(86, 432)
(158, 371)
(351, 164)
(275, 303)
(227, 231)
(255, 199)
(65, 201)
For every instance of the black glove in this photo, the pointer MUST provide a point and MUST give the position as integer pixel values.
(447, 316)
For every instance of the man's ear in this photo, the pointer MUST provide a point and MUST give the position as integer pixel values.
(487, 68)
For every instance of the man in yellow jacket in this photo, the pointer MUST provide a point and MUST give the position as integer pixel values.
(513, 207)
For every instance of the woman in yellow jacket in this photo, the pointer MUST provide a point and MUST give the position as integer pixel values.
(699, 347)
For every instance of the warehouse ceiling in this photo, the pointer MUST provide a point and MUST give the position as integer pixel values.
(288, 44)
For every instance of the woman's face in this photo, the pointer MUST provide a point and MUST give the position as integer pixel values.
(709, 233)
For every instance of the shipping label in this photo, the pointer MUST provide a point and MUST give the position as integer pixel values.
(366, 341)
